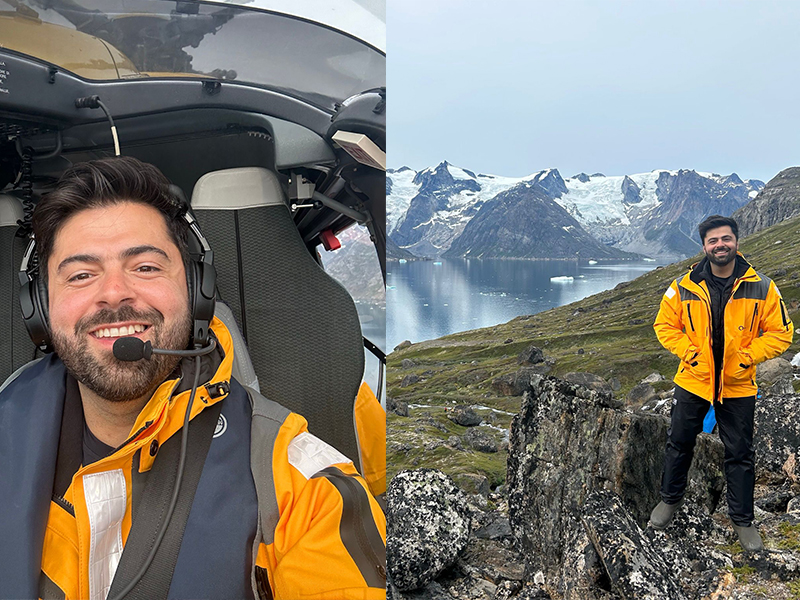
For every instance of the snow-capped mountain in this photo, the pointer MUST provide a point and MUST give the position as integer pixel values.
(652, 213)
(525, 222)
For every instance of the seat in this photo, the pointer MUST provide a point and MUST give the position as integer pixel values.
(16, 347)
(300, 325)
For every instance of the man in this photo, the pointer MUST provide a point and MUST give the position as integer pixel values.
(89, 444)
(721, 319)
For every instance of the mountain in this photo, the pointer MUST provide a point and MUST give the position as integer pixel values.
(652, 213)
(355, 265)
(778, 201)
(525, 222)
(395, 252)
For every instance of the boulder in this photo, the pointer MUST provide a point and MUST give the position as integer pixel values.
(428, 526)
(532, 355)
(409, 379)
(641, 394)
(777, 435)
(589, 380)
(407, 363)
(480, 441)
(397, 407)
(653, 378)
(770, 370)
(472, 483)
(402, 345)
(566, 442)
(633, 565)
(514, 384)
(464, 415)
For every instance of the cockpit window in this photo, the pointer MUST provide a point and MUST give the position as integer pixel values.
(134, 39)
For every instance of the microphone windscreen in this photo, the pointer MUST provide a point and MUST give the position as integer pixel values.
(129, 349)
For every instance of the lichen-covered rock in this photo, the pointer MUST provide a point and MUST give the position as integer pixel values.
(464, 415)
(777, 435)
(635, 568)
(566, 442)
(480, 441)
(428, 526)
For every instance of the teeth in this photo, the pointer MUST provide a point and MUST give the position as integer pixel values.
(119, 331)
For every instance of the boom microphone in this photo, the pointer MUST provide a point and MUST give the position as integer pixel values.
(130, 349)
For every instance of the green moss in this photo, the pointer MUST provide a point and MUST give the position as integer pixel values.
(794, 589)
(735, 548)
(743, 573)
(790, 536)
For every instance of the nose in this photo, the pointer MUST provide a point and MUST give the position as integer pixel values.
(115, 289)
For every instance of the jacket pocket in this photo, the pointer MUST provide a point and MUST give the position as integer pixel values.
(738, 371)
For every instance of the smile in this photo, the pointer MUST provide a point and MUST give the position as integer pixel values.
(119, 331)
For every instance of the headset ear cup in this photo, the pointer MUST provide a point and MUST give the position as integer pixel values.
(44, 305)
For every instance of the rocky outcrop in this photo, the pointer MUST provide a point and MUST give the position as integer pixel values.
(635, 568)
(428, 526)
(777, 437)
(568, 441)
(778, 201)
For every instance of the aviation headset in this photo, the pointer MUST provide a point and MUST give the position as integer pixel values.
(200, 274)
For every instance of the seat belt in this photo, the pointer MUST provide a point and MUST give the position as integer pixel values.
(155, 499)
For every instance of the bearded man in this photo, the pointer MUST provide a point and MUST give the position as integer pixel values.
(91, 446)
(721, 319)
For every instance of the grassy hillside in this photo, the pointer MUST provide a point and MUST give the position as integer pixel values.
(609, 334)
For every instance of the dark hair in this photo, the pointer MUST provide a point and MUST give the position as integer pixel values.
(715, 221)
(106, 182)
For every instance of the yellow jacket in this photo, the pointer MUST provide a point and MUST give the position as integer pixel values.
(312, 552)
(757, 328)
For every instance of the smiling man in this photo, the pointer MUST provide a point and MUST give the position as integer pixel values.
(90, 445)
(721, 319)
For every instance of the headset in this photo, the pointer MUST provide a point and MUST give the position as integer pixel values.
(201, 277)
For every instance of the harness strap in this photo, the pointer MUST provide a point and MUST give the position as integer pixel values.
(150, 510)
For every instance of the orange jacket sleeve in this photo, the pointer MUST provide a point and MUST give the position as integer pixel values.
(330, 540)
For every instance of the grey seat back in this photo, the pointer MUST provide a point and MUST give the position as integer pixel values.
(16, 347)
(300, 325)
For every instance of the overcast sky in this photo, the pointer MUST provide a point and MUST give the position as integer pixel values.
(620, 87)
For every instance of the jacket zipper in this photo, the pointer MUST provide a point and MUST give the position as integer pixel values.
(63, 503)
(689, 310)
(753, 320)
(783, 314)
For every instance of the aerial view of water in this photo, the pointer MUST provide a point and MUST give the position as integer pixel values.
(426, 299)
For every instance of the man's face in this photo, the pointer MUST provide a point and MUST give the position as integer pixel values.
(720, 245)
(115, 272)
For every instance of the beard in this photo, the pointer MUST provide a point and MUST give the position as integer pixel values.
(722, 260)
(115, 380)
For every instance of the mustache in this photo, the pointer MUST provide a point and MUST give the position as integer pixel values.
(124, 313)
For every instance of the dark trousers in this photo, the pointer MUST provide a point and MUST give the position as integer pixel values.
(735, 421)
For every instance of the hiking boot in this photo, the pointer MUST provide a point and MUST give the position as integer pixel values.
(749, 538)
(663, 513)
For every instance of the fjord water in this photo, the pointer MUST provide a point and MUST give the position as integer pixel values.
(426, 300)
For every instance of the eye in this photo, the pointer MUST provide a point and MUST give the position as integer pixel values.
(79, 277)
(148, 269)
